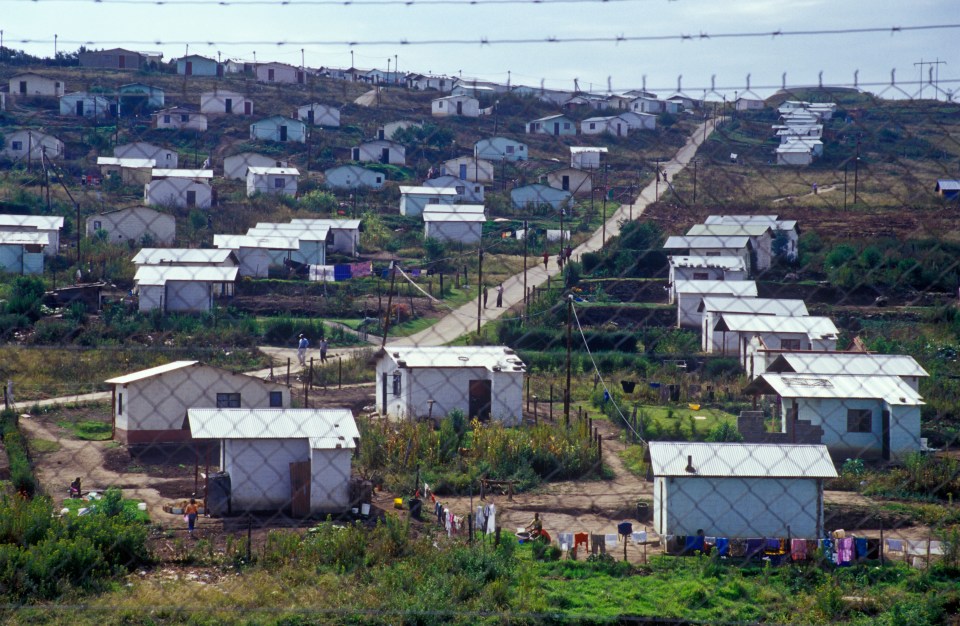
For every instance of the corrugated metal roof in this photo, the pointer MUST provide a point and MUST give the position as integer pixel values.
(25, 238)
(127, 162)
(161, 274)
(428, 191)
(153, 371)
(740, 460)
(715, 287)
(40, 222)
(330, 223)
(159, 172)
(722, 262)
(948, 185)
(450, 216)
(488, 357)
(852, 363)
(159, 256)
(740, 219)
(681, 242)
(585, 149)
(749, 229)
(276, 171)
(293, 231)
(890, 389)
(750, 323)
(325, 428)
(757, 306)
(235, 242)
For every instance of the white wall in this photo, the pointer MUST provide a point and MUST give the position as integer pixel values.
(464, 232)
(188, 296)
(260, 471)
(831, 415)
(173, 192)
(255, 261)
(330, 485)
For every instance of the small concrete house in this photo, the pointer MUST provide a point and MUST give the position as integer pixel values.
(83, 104)
(280, 73)
(455, 106)
(139, 96)
(379, 151)
(134, 224)
(613, 124)
(235, 167)
(707, 268)
(183, 288)
(454, 222)
(257, 254)
(113, 59)
(30, 84)
(413, 200)
(687, 295)
(317, 114)
(129, 171)
(500, 149)
(483, 382)
(29, 145)
(312, 239)
(470, 169)
(947, 188)
(639, 121)
(794, 154)
(854, 416)
(48, 224)
(163, 157)
(577, 182)
(586, 158)
(711, 245)
(221, 102)
(739, 490)
(196, 65)
(713, 306)
(786, 236)
(272, 180)
(798, 332)
(844, 364)
(468, 192)
(344, 177)
(150, 406)
(646, 104)
(297, 461)
(22, 252)
(760, 235)
(749, 104)
(179, 118)
(552, 125)
(537, 195)
(345, 234)
(279, 128)
(178, 192)
(422, 82)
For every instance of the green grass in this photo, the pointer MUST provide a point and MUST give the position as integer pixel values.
(88, 430)
(633, 460)
(43, 445)
(129, 505)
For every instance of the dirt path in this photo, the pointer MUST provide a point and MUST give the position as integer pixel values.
(806, 195)
(367, 99)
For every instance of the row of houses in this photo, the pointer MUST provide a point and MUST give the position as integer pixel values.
(800, 131)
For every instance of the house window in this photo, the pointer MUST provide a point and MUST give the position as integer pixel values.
(119, 404)
(789, 344)
(278, 183)
(276, 399)
(166, 119)
(712, 254)
(592, 126)
(509, 149)
(379, 179)
(566, 125)
(270, 75)
(433, 200)
(228, 400)
(701, 276)
(396, 383)
(16, 145)
(440, 104)
(184, 118)
(97, 225)
(859, 421)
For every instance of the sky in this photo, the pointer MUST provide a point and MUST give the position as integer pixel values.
(317, 32)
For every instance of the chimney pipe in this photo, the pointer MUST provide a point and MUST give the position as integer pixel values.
(690, 469)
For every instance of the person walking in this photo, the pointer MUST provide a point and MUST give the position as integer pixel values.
(323, 345)
(499, 296)
(546, 259)
(302, 346)
(190, 513)
(485, 294)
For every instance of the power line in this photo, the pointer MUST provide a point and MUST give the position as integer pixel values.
(340, 3)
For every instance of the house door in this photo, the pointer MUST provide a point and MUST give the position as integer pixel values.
(248, 108)
(79, 108)
(23, 87)
(188, 69)
(300, 77)
(228, 105)
(556, 128)
(300, 489)
(310, 116)
(565, 183)
(383, 392)
(480, 394)
(123, 62)
(385, 156)
(283, 133)
(459, 108)
(356, 154)
(885, 435)
(463, 171)
(191, 198)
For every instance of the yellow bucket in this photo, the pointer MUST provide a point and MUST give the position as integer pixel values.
(694, 407)
(398, 503)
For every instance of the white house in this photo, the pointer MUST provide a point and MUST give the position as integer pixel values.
(186, 257)
(83, 104)
(869, 416)
(30, 84)
(500, 149)
(613, 124)
(413, 200)
(552, 125)
(344, 177)
(344, 234)
(707, 268)
(196, 65)
(25, 144)
(134, 224)
(272, 180)
(22, 252)
(319, 115)
(455, 106)
(182, 288)
(786, 236)
(794, 154)
(469, 192)
(454, 222)
(739, 490)
(223, 102)
(713, 306)
(178, 118)
(129, 171)
(280, 73)
(150, 406)
(687, 295)
(134, 97)
(749, 104)
(279, 128)
(586, 157)
(423, 82)
(469, 168)
(292, 460)
(798, 332)
(47, 224)
(646, 104)
(577, 182)
(178, 192)
(235, 166)
(710, 245)
(760, 235)
(537, 194)
(379, 151)
(163, 157)
(312, 239)
(639, 121)
(843, 364)
(483, 382)
(257, 254)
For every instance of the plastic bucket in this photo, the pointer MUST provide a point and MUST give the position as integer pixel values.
(141, 506)
(398, 503)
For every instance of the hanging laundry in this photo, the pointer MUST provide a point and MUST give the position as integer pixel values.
(480, 521)
(798, 549)
(492, 519)
(845, 551)
(597, 544)
(322, 273)
(640, 537)
(693, 544)
(861, 546)
(624, 529)
(723, 546)
(580, 539)
(359, 270)
(754, 547)
(611, 541)
(565, 539)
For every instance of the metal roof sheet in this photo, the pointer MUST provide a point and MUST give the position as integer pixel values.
(890, 389)
(722, 262)
(235, 242)
(740, 460)
(40, 222)
(159, 256)
(750, 229)
(948, 185)
(25, 237)
(757, 306)
(587, 149)
(428, 191)
(488, 357)
(127, 162)
(161, 172)
(715, 287)
(326, 429)
(153, 371)
(294, 231)
(852, 363)
(333, 224)
(161, 274)
(800, 324)
(687, 242)
(275, 171)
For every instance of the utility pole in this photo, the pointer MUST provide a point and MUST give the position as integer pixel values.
(856, 172)
(844, 186)
(386, 323)
(603, 238)
(479, 287)
(566, 393)
(545, 247)
(695, 161)
(656, 177)
(526, 236)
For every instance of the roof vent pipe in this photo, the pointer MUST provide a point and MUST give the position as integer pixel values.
(690, 469)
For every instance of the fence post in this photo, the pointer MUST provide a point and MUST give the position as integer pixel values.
(599, 447)
(551, 402)
(288, 371)
(339, 372)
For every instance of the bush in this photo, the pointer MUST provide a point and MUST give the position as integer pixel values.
(319, 201)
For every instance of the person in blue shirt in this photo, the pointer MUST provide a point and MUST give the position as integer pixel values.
(302, 346)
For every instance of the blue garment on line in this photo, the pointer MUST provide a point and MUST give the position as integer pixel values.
(754, 547)
(625, 528)
(723, 546)
(773, 544)
(693, 544)
(861, 544)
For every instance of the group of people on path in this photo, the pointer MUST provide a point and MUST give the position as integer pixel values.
(303, 343)
(562, 257)
(499, 296)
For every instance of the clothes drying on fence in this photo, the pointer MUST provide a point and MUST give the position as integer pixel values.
(322, 273)
(565, 540)
(844, 551)
(580, 539)
(639, 537)
(624, 529)
(359, 270)
(693, 544)
(491, 519)
(894, 545)
(597, 544)
(754, 547)
(723, 546)
(611, 541)
(860, 544)
(798, 549)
